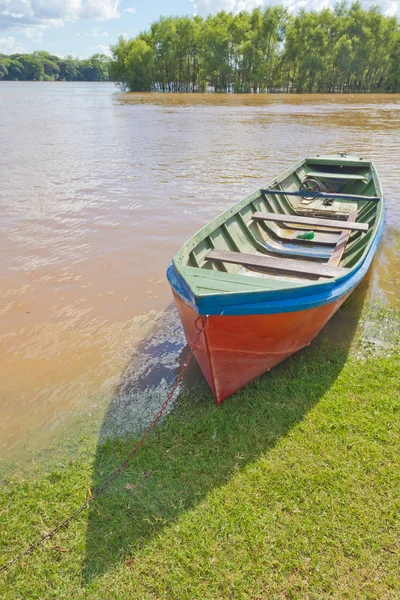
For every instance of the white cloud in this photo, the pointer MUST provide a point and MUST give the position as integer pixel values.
(392, 9)
(15, 14)
(33, 34)
(98, 10)
(51, 9)
(206, 7)
(30, 17)
(97, 32)
(9, 45)
(104, 49)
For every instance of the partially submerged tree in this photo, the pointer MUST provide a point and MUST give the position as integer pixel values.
(345, 49)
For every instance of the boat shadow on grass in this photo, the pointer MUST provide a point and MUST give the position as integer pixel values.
(200, 445)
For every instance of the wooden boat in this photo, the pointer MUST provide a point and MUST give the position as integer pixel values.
(266, 275)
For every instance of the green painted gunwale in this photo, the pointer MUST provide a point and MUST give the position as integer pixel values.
(205, 279)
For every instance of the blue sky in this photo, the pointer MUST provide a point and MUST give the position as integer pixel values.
(84, 27)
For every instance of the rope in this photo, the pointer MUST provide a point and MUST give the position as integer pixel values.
(96, 493)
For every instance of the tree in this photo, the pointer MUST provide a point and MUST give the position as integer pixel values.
(69, 69)
(3, 66)
(139, 65)
(120, 51)
(163, 42)
(217, 51)
(32, 67)
(392, 83)
(94, 68)
(50, 64)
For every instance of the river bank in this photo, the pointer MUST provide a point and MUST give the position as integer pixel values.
(290, 487)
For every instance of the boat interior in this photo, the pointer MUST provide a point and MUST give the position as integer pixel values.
(313, 223)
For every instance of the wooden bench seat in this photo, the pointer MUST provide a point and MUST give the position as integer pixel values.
(327, 195)
(277, 265)
(311, 221)
(341, 176)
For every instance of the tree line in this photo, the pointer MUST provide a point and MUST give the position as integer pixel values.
(346, 49)
(43, 66)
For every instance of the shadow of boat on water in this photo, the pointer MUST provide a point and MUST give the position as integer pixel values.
(149, 377)
(200, 445)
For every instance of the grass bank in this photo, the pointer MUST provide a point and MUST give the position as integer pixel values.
(290, 489)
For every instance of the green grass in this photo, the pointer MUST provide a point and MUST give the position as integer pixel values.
(289, 489)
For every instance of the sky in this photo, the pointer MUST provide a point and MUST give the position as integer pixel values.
(84, 27)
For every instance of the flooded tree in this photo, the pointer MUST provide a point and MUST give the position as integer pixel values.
(346, 49)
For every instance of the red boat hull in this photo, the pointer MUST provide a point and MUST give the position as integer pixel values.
(234, 350)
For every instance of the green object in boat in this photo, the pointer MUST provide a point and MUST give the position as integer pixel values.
(308, 235)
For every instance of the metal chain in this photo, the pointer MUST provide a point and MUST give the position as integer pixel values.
(96, 493)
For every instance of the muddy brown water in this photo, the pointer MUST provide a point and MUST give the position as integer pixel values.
(98, 189)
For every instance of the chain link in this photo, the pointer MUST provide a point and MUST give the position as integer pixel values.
(96, 493)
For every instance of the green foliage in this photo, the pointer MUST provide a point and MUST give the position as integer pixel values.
(43, 66)
(139, 66)
(120, 52)
(347, 49)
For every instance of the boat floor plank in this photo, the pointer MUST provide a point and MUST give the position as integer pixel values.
(291, 266)
(316, 222)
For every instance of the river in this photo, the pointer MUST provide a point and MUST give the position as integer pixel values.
(99, 188)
